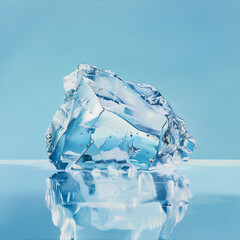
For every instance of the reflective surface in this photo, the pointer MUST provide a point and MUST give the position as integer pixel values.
(37, 202)
(139, 205)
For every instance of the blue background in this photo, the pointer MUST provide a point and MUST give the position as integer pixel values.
(189, 49)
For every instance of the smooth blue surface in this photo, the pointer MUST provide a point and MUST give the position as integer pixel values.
(213, 212)
(188, 49)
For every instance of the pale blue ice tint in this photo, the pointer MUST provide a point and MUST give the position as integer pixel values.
(106, 120)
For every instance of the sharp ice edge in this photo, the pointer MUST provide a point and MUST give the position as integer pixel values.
(101, 112)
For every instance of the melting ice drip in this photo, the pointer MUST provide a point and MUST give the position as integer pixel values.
(134, 205)
(106, 120)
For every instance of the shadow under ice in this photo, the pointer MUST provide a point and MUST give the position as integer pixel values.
(135, 204)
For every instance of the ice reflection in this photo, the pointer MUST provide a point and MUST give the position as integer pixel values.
(111, 204)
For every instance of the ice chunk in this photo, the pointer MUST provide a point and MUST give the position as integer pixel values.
(103, 116)
(146, 206)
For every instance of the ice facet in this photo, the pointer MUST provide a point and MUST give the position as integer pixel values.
(147, 205)
(106, 120)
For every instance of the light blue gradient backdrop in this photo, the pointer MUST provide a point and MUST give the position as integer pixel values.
(189, 49)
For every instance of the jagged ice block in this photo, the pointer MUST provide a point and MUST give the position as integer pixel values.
(106, 120)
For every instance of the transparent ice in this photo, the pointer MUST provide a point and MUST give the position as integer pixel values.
(142, 205)
(105, 120)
